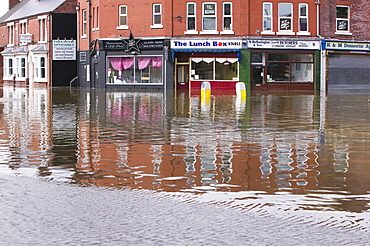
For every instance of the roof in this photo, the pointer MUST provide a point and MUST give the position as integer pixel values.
(27, 8)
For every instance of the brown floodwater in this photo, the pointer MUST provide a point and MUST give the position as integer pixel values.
(281, 151)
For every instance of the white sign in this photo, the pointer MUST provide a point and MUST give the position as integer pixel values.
(206, 44)
(25, 38)
(283, 44)
(64, 49)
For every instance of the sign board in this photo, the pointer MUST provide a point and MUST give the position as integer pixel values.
(206, 44)
(64, 50)
(329, 45)
(283, 44)
(25, 38)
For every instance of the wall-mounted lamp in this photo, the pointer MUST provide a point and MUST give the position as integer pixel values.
(179, 17)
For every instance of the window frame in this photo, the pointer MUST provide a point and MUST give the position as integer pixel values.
(281, 17)
(224, 16)
(264, 29)
(84, 23)
(120, 25)
(11, 34)
(188, 16)
(341, 32)
(155, 14)
(43, 30)
(204, 16)
(303, 17)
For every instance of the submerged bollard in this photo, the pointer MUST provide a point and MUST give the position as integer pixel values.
(241, 91)
(206, 92)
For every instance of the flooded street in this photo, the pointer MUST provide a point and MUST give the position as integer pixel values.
(156, 166)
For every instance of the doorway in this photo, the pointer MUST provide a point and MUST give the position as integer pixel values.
(182, 77)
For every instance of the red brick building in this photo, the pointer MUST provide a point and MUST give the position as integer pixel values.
(38, 41)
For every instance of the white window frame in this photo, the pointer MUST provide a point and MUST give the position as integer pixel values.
(303, 17)
(17, 67)
(38, 69)
(23, 26)
(84, 23)
(7, 74)
(121, 14)
(267, 16)
(156, 14)
(224, 16)
(209, 16)
(281, 16)
(340, 32)
(43, 30)
(11, 34)
(194, 15)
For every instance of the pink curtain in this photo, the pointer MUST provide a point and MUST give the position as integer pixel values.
(157, 62)
(143, 62)
(128, 62)
(116, 63)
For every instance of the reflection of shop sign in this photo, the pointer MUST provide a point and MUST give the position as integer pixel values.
(346, 46)
(208, 44)
(283, 44)
(64, 49)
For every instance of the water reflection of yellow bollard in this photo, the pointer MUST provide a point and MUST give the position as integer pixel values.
(206, 92)
(241, 91)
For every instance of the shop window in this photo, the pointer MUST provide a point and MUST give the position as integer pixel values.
(303, 18)
(342, 20)
(209, 18)
(227, 18)
(191, 18)
(267, 18)
(122, 17)
(257, 58)
(157, 16)
(278, 72)
(135, 70)
(285, 18)
(278, 57)
(214, 69)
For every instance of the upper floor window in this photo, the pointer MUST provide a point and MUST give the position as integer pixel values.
(191, 18)
(209, 18)
(157, 16)
(23, 27)
(11, 34)
(95, 19)
(342, 20)
(84, 23)
(42, 28)
(227, 17)
(122, 23)
(285, 18)
(267, 18)
(303, 17)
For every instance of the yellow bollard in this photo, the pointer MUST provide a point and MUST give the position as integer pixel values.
(241, 92)
(206, 92)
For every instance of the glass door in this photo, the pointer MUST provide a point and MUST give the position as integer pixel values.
(182, 77)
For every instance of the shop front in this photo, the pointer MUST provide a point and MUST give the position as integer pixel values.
(347, 65)
(206, 60)
(284, 64)
(128, 63)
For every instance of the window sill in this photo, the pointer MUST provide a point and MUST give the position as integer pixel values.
(156, 26)
(95, 29)
(84, 37)
(40, 80)
(191, 32)
(123, 27)
(343, 33)
(42, 42)
(10, 45)
(209, 32)
(227, 32)
(304, 33)
(267, 33)
(285, 33)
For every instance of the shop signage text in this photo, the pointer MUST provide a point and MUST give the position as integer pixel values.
(64, 49)
(283, 44)
(346, 46)
(142, 45)
(210, 44)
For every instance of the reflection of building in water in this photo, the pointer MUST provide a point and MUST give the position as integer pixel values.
(135, 145)
(26, 127)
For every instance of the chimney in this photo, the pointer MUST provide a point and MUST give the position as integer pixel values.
(12, 3)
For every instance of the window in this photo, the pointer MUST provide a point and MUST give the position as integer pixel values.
(10, 67)
(135, 70)
(95, 19)
(214, 68)
(303, 18)
(191, 18)
(342, 25)
(23, 68)
(157, 16)
(267, 18)
(227, 18)
(40, 68)
(42, 29)
(23, 27)
(209, 18)
(285, 18)
(11, 34)
(84, 23)
(122, 23)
